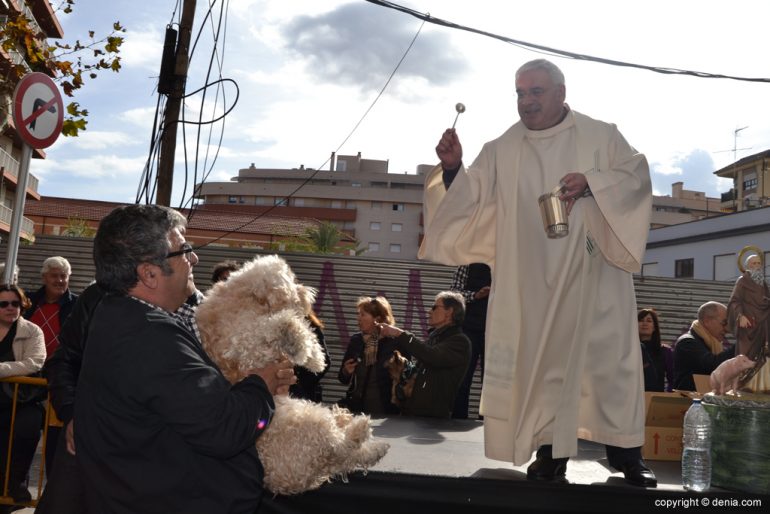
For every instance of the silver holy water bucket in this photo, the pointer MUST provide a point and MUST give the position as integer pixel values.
(554, 214)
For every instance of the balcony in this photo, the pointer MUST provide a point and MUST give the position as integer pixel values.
(10, 167)
(27, 226)
(729, 196)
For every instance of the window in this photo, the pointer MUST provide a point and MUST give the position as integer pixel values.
(336, 204)
(299, 202)
(395, 227)
(395, 248)
(355, 184)
(684, 268)
(398, 207)
(281, 202)
(374, 247)
(374, 225)
(232, 199)
(342, 165)
(750, 183)
(376, 205)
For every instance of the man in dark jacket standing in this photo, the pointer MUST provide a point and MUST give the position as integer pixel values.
(158, 427)
(473, 282)
(441, 361)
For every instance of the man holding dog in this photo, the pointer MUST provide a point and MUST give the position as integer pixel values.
(562, 344)
(441, 361)
(158, 427)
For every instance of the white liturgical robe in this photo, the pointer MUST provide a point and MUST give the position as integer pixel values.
(562, 347)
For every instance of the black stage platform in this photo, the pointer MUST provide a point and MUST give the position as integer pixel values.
(439, 466)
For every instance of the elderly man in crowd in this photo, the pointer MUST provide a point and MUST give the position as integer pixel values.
(52, 303)
(441, 361)
(158, 427)
(700, 350)
(51, 306)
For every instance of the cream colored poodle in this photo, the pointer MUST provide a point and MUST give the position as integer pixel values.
(254, 318)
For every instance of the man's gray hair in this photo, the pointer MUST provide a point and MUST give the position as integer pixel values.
(557, 77)
(56, 262)
(709, 310)
(455, 301)
(129, 236)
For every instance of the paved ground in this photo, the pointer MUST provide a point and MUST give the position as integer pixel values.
(456, 448)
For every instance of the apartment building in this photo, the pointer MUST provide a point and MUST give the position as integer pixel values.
(382, 210)
(682, 206)
(751, 187)
(43, 19)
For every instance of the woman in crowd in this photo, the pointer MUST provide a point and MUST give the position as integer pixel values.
(658, 356)
(363, 364)
(22, 352)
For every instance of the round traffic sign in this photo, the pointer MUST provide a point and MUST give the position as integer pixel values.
(38, 110)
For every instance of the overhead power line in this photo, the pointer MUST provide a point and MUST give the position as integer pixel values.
(562, 53)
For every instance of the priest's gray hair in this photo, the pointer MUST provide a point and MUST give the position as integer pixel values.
(557, 77)
(456, 302)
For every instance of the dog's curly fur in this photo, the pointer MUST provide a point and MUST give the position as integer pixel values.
(251, 320)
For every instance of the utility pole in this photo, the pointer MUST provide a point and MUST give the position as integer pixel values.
(173, 107)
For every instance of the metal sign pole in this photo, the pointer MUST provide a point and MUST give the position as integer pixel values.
(18, 213)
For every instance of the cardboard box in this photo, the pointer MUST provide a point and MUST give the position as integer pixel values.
(664, 417)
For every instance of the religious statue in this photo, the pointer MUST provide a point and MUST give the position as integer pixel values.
(748, 317)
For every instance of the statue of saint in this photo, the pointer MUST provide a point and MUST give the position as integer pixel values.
(748, 317)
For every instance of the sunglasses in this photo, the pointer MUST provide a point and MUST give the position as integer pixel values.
(12, 303)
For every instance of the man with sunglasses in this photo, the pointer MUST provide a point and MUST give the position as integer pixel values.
(441, 360)
(700, 350)
(158, 427)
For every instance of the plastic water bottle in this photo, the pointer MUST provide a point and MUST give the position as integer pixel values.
(696, 456)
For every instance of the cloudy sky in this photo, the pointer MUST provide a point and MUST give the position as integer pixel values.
(308, 70)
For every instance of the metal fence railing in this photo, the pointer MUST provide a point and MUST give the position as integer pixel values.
(49, 420)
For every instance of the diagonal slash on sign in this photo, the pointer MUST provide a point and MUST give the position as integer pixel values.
(36, 114)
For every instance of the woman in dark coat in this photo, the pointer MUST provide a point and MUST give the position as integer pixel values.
(656, 357)
(363, 366)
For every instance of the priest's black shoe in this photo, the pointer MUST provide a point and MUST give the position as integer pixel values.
(546, 468)
(637, 473)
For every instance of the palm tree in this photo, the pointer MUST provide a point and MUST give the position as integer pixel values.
(323, 238)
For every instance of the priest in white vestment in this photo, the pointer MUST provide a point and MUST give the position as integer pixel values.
(562, 355)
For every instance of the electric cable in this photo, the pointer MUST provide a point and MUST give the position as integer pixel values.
(557, 52)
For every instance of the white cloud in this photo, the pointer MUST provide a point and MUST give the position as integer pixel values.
(139, 116)
(667, 169)
(95, 140)
(142, 49)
